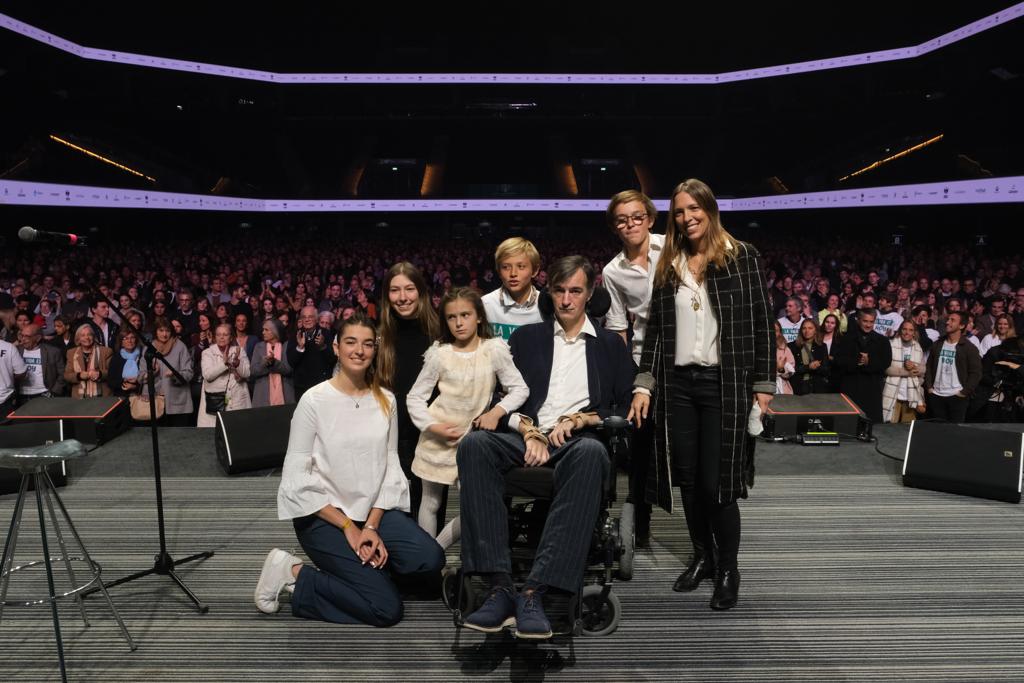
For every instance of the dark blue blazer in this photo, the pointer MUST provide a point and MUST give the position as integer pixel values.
(609, 369)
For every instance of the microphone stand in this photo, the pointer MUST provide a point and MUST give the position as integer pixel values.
(163, 563)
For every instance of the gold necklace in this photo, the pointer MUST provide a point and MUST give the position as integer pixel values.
(695, 301)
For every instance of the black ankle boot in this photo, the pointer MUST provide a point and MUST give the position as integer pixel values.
(727, 589)
(701, 567)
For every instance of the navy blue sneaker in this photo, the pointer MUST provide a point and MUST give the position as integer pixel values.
(531, 622)
(497, 613)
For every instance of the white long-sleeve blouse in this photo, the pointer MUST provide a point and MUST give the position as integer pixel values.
(342, 452)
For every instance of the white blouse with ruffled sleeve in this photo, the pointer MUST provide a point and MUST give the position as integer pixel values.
(342, 452)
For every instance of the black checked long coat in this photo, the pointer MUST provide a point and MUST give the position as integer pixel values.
(739, 300)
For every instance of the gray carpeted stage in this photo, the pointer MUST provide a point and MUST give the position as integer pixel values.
(847, 576)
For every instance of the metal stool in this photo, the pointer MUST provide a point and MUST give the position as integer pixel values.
(32, 463)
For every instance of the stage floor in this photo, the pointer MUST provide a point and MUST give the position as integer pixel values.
(847, 576)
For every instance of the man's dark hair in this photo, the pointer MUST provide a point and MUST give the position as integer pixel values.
(565, 267)
(920, 309)
(960, 316)
(867, 311)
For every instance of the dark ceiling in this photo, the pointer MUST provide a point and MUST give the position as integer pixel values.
(800, 133)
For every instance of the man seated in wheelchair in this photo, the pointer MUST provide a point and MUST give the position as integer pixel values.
(578, 374)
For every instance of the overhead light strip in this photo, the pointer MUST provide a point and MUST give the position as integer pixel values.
(862, 59)
(102, 158)
(1006, 190)
(909, 150)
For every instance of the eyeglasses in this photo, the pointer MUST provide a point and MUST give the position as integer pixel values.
(635, 219)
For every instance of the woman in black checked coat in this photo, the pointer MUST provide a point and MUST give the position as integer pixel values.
(708, 358)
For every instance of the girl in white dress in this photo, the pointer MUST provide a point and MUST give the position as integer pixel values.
(464, 366)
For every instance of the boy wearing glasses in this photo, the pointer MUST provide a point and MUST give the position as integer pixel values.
(628, 277)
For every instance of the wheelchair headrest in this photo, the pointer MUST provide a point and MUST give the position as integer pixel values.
(600, 302)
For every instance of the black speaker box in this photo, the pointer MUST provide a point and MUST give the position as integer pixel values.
(790, 415)
(252, 439)
(971, 461)
(27, 435)
(90, 420)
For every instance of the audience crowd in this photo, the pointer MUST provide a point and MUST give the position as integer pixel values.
(253, 326)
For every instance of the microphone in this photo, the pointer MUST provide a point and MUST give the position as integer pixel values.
(27, 234)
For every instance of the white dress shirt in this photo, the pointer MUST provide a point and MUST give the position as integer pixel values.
(629, 288)
(342, 455)
(569, 386)
(696, 330)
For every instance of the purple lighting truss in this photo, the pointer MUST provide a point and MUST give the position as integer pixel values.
(1009, 14)
(1006, 190)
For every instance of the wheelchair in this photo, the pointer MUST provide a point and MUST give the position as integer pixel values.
(594, 610)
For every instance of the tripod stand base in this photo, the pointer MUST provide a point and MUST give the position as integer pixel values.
(163, 565)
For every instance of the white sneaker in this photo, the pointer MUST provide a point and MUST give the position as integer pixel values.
(275, 577)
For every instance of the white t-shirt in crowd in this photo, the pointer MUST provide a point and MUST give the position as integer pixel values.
(506, 316)
(947, 382)
(629, 288)
(32, 383)
(11, 364)
(790, 329)
(888, 324)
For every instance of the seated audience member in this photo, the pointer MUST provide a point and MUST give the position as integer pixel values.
(225, 368)
(862, 357)
(344, 490)
(812, 368)
(1004, 329)
(127, 372)
(177, 394)
(903, 394)
(953, 372)
(588, 377)
(271, 375)
(515, 302)
(784, 362)
(87, 364)
(44, 365)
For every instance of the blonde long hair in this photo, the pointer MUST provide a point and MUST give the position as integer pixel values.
(386, 361)
(712, 245)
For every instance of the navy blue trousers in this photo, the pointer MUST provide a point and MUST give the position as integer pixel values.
(341, 588)
(581, 466)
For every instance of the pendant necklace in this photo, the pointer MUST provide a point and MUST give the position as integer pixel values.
(695, 301)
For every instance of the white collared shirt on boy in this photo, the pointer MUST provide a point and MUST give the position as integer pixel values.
(629, 288)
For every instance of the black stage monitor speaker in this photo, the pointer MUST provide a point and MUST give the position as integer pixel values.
(790, 415)
(90, 420)
(253, 439)
(25, 435)
(971, 461)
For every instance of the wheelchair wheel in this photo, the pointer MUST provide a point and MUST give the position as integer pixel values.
(627, 539)
(599, 617)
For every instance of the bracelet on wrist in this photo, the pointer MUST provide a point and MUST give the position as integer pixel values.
(370, 527)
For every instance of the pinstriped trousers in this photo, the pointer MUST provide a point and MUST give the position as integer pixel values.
(581, 466)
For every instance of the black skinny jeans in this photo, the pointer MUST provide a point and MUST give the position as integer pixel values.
(695, 394)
